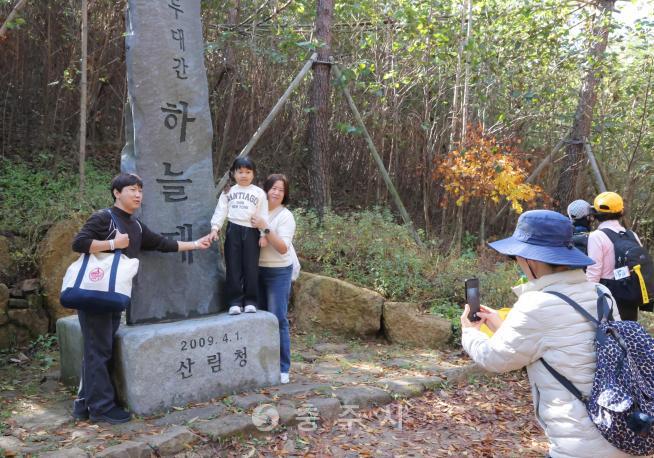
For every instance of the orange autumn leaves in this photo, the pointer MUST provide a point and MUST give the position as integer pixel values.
(487, 168)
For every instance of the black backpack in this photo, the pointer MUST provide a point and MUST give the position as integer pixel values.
(580, 241)
(636, 290)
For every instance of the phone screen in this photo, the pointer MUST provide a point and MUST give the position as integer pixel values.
(472, 298)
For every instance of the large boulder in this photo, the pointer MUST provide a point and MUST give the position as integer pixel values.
(4, 301)
(11, 335)
(336, 306)
(5, 259)
(404, 324)
(36, 321)
(55, 255)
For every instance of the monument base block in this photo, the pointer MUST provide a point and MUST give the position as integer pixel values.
(157, 366)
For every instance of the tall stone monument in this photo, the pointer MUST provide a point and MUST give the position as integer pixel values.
(176, 349)
(168, 130)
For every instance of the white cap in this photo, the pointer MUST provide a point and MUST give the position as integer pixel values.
(579, 209)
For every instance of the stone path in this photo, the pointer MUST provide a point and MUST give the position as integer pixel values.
(329, 379)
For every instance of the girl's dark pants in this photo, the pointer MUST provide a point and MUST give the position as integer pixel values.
(242, 265)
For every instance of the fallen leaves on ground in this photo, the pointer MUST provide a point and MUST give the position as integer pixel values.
(484, 417)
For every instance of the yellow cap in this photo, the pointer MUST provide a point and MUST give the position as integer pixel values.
(608, 202)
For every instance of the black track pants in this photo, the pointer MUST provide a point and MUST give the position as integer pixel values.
(242, 264)
(96, 394)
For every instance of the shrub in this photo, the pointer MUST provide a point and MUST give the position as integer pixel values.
(35, 195)
(369, 249)
(366, 248)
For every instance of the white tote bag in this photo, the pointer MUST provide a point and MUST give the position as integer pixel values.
(296, 263)
(99, 282)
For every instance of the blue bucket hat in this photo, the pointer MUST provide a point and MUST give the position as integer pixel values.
(546, 236)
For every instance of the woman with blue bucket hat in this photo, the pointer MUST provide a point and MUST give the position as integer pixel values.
(542, 325)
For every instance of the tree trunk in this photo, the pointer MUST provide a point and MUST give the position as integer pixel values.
(455, 246)
(581, 127)
(230, 64)
(83, 91)
(466, 80)
(454, 128)
(632, 176)
(47, 78)
(482, 224)
(318, 138)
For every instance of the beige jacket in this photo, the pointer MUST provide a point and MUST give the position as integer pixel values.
(542, 325)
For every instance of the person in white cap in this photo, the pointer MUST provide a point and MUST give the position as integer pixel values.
(580, 213)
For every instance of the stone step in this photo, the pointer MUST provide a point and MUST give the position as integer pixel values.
(363, 397)
(299, 405)
(298, 389)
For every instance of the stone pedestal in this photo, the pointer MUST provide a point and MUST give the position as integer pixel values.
(171, 364)
(71, 349)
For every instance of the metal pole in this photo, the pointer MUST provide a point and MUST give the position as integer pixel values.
(269, 119)
(594, 167)
(7, 21)
(537, 171)
(377, 158)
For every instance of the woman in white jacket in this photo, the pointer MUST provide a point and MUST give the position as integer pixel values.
(541, 325)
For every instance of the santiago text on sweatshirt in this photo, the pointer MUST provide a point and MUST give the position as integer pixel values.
(239, 205)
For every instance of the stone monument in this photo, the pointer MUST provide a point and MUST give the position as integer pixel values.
(169, 134)
(175, 349)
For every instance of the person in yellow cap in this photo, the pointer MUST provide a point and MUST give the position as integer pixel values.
(608, 208)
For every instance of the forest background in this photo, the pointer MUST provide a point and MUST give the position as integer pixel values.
(464, 99)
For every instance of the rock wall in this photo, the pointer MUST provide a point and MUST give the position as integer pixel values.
(22, 314)
(31, 308)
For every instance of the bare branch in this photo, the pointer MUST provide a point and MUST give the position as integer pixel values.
(14, 11)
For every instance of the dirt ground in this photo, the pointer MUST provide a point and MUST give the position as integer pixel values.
(476, 415)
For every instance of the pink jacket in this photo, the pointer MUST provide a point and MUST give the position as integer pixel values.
(600, 250)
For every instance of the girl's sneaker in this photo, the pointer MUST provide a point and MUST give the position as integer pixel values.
(250, 309)
(235, 310)
(284, 378)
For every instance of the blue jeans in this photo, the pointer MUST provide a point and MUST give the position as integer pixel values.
(274, 289)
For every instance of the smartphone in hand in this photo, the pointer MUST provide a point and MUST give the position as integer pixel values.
(472, 298)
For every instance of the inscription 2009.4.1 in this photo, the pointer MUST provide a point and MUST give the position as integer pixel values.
(202, 342)
(221, 350)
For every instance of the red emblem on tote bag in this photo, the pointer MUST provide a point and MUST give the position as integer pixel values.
(96, 274)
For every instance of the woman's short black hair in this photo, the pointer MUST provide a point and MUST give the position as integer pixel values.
(243, 162)
(274, 178)
(601, 217)
(124, 179)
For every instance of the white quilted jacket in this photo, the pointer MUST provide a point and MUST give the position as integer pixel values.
(542, 325)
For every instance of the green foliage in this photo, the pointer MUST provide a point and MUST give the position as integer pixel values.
(35, 195)
(43, 348)
(45, 342)
(365, 248)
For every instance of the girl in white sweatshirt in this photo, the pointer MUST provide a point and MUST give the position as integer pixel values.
(242, 241)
